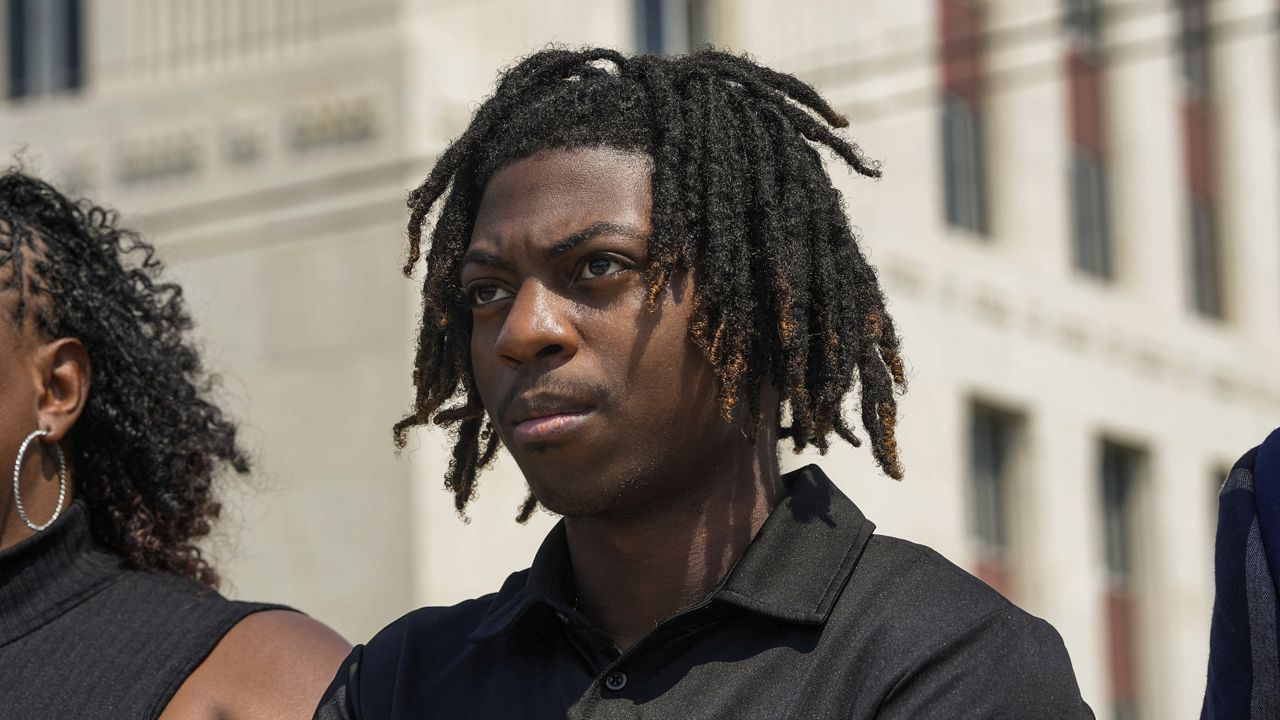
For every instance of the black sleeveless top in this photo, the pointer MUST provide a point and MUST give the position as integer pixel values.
(84, 636)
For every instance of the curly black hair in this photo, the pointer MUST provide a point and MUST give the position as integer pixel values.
(782, 292)
(149, 444)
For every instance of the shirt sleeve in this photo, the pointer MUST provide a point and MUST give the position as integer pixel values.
(1006, 665)
(341, 700)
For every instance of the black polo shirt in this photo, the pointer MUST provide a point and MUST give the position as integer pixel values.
(818, 619)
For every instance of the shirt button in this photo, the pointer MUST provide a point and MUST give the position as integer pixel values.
(615, 681)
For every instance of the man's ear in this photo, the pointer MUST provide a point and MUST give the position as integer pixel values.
(63, 367)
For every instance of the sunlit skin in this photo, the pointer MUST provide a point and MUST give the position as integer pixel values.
(272, 664)
(606, 404)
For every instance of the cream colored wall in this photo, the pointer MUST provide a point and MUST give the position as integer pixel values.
(306, 334)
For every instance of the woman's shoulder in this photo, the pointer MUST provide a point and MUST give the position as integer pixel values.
(176, 606)
(272, 663)
(241, 658)
(130, 643)
(249, 659)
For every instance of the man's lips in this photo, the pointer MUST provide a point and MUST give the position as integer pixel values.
(551, 412)
(546, 428)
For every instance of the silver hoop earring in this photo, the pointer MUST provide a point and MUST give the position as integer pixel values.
(17, 474)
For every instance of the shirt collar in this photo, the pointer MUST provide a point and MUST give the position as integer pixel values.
(51, 572)
(803, 556)
(793, 570)
(548, 581)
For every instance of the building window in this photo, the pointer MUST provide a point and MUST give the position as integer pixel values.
(671, 27)
(1205, 257)
(963, 163)
(1084, 20)
(1193, 43)
(1121, 466)
(994, 436)
(1089, 215)
(44, 54)
(1206, 263)
(963, 132)
(1091, 239)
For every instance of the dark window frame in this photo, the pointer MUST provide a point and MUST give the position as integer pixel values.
(995, 462)
(1206, 261)
(1084, 20)
(1193, 45)
(45, 47)
(1090, 216)
(658, 30)
(965, 172)
(995, 435)
(1121, 475)
(1122, 468)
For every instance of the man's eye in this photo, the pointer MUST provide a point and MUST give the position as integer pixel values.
(485, 294)
(599, 267)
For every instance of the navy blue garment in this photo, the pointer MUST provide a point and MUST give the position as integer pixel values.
(1244, 666)
(820, 618)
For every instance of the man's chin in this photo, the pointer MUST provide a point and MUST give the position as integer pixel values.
(574, 505)
(581, 495)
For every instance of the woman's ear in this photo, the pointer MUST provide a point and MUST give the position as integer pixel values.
(63, 368)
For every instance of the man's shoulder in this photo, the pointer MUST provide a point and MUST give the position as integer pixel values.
(916, 604)
(924, 617)
(445, 625)
(443, 622)
(916, 581)
(409, 655)
(440, 629)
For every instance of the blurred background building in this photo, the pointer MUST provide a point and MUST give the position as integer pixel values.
(1078, 231)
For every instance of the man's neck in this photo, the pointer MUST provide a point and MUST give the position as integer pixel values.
(634, 571)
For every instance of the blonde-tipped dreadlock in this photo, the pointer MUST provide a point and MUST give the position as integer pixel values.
(740, 196)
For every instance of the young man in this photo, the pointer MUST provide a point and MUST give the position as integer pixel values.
(640, 281)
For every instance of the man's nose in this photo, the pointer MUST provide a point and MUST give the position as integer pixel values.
(538, 326)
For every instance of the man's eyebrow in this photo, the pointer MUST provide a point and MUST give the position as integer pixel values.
(591, 231)
(480, 257)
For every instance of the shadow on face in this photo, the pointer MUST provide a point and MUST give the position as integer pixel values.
(603, 401)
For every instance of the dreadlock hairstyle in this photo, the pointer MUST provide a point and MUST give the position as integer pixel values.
(149, 444)
(782, 292)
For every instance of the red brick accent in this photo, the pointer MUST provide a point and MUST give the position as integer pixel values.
(1122, 657)
(1197, 131)
(994, 571)
(1084, 80)
(961, 51)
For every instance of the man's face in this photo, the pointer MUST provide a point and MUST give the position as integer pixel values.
(604, 403)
